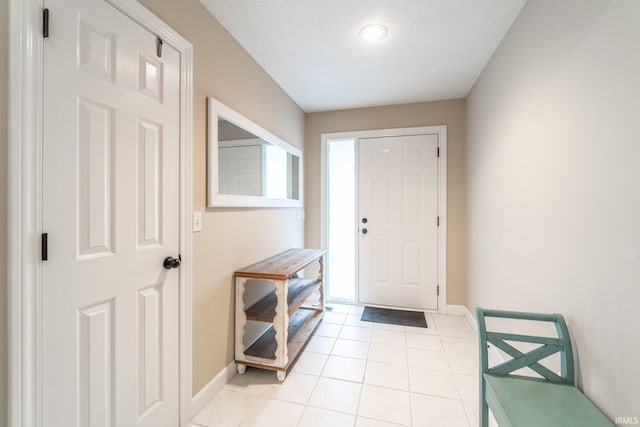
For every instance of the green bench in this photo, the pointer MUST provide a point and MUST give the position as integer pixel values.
(520, 401)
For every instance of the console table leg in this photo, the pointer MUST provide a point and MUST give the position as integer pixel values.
(321, 279)
(281, 323)
(241, 318)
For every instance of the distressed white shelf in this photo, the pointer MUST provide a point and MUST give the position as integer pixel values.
(292, 321)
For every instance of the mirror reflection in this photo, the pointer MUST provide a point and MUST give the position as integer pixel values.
(250, 166)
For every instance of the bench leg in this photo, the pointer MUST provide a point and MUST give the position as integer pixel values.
(484, 415)
(484, 408)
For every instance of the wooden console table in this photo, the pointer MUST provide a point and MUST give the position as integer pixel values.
(292, 321)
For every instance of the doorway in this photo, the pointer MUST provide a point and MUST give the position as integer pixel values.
(384, 217)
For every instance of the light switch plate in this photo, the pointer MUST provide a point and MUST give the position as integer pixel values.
(197, 222)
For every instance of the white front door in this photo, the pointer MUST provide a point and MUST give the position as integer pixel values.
(111, 211)
(397, 221)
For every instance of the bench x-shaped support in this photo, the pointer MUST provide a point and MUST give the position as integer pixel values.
(529, 359)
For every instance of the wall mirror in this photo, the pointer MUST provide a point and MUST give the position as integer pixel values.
(249, 166)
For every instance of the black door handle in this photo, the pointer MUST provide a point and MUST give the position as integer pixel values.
(171, 262)
(364, 231)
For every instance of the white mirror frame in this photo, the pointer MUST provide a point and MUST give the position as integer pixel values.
(215, 199)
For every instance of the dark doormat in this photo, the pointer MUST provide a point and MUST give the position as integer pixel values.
(394, 317)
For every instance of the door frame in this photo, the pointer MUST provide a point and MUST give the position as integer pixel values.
(441, 131)
(24, 209)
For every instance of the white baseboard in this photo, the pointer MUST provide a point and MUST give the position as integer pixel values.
(212, 388)
(461, 310)
(471, 320)
(456, 310)
(495, 357)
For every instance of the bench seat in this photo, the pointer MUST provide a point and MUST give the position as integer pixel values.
(529, 403)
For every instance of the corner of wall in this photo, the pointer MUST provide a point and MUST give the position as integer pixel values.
(4, 78)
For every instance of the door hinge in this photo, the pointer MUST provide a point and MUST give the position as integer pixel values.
(45, 247)
(45, 23)
(159, 44)
(438, 151)
(438, 221)
(438, 290)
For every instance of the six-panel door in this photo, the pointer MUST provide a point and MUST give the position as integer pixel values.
(110, 208)
(397, 221)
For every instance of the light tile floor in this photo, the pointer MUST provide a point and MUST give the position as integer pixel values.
(362, 374)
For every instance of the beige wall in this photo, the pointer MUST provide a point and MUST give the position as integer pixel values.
(553, 178)
(231, 238)
(450, 113)
(4, 54)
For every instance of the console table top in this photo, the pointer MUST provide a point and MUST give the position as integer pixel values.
(282, 266)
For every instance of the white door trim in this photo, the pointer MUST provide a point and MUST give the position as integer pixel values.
(24, 268)
(441, 131)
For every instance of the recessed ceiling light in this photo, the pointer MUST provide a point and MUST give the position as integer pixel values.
(373, 32)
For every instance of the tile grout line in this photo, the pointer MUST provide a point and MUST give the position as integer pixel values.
(357, 414)
(409, 380)
(368, 364)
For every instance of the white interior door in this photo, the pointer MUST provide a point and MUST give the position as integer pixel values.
(111, 211)
(397, 221)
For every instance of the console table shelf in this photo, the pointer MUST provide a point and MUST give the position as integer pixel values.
(298, 292)
(284, 307)
(301, 324)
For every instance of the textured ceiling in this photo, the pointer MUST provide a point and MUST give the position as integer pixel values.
(436, 49)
